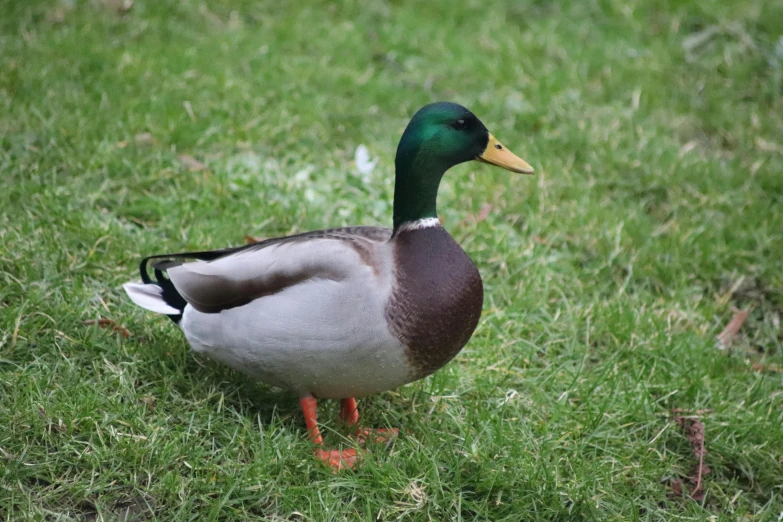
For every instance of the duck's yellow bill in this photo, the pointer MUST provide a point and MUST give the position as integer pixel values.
(497, 154)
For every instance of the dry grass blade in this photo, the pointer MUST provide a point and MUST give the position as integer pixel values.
(192, 163)
(144, 138)
(692, 413)
(730, 332)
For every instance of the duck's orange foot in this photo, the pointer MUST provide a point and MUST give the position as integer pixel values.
(376, 435)
(338, 459)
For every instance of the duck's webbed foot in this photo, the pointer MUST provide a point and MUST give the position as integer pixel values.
(336, 459)
(349, 413)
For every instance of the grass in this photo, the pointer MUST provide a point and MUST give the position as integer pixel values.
(656, 213)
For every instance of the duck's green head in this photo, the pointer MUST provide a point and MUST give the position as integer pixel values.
(438, 137)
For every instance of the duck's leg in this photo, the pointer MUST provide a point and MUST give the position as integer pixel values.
(350, 414)
(348, 411)
(337, 459)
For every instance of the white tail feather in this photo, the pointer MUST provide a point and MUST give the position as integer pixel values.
(149, 297)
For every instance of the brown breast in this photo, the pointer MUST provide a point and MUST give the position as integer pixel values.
(436, 302)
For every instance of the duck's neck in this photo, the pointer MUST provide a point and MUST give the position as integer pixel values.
(418, 176)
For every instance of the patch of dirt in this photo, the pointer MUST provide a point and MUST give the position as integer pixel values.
(109, 325)
(694, 431)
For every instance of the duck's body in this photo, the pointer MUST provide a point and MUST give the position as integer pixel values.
(344, 312)
(325, 336)
(378, 314)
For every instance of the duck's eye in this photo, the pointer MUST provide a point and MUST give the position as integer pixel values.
(460, 124)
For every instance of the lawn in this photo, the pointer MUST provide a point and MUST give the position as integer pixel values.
(654, 217)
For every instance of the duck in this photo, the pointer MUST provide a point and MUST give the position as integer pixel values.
(341, 313)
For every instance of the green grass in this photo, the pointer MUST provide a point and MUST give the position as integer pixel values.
(656, 213)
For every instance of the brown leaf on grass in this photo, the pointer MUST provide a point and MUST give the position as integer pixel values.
(694, 432)
(108, 323)
(192, 163)
(766, 368)
(732, 328)
(486, 208)
(249, 240)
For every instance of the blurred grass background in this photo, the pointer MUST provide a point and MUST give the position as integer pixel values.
(131, 128)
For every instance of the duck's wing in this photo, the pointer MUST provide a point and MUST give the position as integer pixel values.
(222, 279)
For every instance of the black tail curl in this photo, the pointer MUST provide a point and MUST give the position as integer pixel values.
(162, 262)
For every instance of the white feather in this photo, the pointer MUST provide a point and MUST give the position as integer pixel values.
(363, 163)
(149, 297)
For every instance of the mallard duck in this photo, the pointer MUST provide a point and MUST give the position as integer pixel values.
(344, 312)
